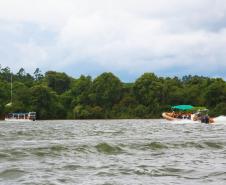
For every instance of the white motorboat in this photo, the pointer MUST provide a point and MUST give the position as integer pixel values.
(21, 117)
(18, 117)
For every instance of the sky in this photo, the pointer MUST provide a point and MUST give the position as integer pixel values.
(126, 37)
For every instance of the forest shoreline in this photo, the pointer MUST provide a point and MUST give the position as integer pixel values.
(56, 95)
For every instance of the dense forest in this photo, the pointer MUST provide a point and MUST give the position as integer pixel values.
(56, 95)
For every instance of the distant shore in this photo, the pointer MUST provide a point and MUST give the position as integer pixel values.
(55, 95)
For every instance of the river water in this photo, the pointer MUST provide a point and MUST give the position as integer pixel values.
(112, 152)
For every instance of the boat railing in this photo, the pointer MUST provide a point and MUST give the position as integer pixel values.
(21, 116)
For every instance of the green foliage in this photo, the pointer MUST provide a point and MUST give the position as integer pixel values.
(215, 93)
(141, 111)
(57, 96)
(81, 112)
(59, 82)
(220, 109)
(44, 102)
(3, 97)
(38, 75)
(147, 89)
(88, 112)
(80, 90)
(106, 90)
(21, 98)
(195, 109)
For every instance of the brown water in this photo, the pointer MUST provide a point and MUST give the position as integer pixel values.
(115, 152)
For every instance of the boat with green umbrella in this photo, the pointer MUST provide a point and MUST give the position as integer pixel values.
(188, 112)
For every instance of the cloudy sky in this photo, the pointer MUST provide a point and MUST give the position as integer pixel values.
(126, 37)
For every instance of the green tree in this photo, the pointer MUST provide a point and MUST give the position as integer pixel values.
(4, 97)
(58, 96)
(80, 90)
(141, 111)
(44, 102)
(59, 82)
(219, 110)
(82, 112)
(106, 90)
(38, 74)
(148, 90)
(66, 101)
(215, 93)
(5, 74)
(21, 98)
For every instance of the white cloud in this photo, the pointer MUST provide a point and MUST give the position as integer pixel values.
(130, 35)
(31, 54)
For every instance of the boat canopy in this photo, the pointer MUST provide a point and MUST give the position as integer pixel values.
(183, 107)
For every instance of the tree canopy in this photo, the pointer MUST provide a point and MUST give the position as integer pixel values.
(56, 95)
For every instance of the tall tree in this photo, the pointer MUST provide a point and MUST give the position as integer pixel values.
(43, 101)
(106, 90)
(59, 82)
(80, 90)
(38, 74)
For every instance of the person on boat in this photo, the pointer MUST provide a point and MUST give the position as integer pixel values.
(180, 116)
(173, 114)
(189, 116)
(205, 119)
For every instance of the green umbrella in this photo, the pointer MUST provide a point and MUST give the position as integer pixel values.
(183, 107)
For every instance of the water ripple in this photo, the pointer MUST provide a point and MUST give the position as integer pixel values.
(107, 152)
(108, 149)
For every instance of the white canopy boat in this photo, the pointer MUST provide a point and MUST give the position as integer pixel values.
(21, 117)
(18, 117)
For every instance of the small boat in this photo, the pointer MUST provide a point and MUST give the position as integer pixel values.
(188, 112)
(21, 117)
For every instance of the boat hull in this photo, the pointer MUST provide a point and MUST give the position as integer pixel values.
(168, 116)
(18, 120)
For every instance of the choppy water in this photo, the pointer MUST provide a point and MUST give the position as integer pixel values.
(116, 152)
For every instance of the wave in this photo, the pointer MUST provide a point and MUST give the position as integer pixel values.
(155, 146)
(72, 167)
(10, 174)
(184, 121)
(220, 119)
(189, 144)
(162, 171)
(4, 155)
(108, 149)
(160, 146)
(214, 145)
